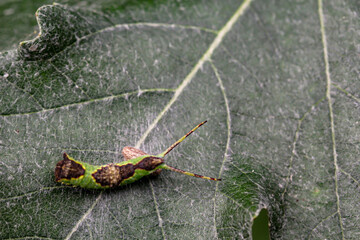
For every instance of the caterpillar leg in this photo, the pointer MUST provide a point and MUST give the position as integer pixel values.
(180, 140)
(188, 173)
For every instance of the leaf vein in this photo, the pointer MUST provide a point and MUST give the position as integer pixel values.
(157, 210)
(227, 148)
(319, 223)
(82, 219)
(346, 92)
(328, 96)
(70, 79)
(351, 177)
(31, 193)
(107, 98)
(293, 150)
(24, 91)
(139, 24)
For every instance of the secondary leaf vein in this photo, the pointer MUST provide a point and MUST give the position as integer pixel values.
(351, 177)
(346, 92)
(24, 91)
(293, 151)
(69, 79)
(30, 193)
(227, 148)
(107, 98)
(87, 213)
(157, 210)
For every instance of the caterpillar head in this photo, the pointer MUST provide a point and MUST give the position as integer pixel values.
(68, 169)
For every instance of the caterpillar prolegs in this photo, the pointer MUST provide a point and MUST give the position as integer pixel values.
(137, 164)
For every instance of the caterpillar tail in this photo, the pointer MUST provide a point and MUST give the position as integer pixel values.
(165, 166)
(180, 140)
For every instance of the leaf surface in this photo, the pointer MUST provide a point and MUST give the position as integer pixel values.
(278, 83)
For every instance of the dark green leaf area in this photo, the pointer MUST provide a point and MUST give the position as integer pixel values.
(59, 27)
(260, 227)
(44, 212)
(249, 188)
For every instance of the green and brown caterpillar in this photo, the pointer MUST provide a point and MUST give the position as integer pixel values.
(137, 164)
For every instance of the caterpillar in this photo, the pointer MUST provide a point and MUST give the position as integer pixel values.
(137, 165)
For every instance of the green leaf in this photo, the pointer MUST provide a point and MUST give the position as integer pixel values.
(278, 82)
